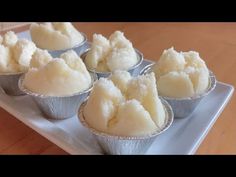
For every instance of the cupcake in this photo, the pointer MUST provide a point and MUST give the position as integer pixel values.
(108, 55)
(15, 56)
(57, 85)
(125, 114)
(183, 79)
(58, 38)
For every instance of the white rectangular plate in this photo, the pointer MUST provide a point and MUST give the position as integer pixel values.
(183, 137)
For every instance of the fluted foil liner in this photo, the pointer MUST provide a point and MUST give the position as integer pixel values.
(184, 107)
(125, 145)
(9, 83)
(58, 107)
(79, 48)
(133, 70)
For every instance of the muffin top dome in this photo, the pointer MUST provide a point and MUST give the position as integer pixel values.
(125, 106)
(15, 54)
(55, 36)
(62, 76)
(181, 74)
(105, 55)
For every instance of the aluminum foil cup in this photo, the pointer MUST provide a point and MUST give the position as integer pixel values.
(79, 49)
(119, 145)
(184, 107)
(133, 70)
(9, 83)
(58, 107)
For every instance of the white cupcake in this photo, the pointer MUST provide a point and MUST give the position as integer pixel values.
(15, 56)
(58, 37)
(58, 85)
(183, 79)
(106, 56)
(125, 110)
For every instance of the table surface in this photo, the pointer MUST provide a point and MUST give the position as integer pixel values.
(216, 43)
